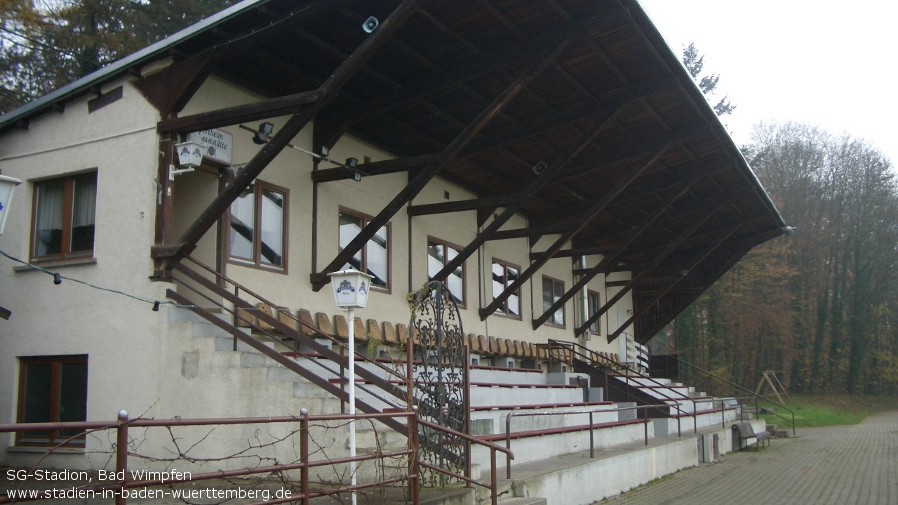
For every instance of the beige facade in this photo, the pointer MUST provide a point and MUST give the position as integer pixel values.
(141, 361)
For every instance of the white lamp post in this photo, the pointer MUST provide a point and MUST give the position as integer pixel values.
(7, 188)
(351, 289)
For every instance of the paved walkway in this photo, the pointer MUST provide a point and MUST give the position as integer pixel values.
(842, 465)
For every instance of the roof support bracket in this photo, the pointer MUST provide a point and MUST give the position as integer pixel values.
(657, 261)
(692, 265)
(612, 259)
(543, 60)
(585, 218)
(294, 125)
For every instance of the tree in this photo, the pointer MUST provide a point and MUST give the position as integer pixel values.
(821, 305)
(48, 47)
(694, 64)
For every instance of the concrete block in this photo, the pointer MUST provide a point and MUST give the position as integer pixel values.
(595, 394)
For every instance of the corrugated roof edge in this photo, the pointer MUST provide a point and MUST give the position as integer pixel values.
(118, 68)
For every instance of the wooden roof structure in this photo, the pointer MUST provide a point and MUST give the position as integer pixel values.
(574, 113)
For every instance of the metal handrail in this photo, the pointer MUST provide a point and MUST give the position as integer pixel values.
(315, 362)
(494, 482)
(406, 380)
(181, 267)
(592, 451)
(292, 316)
(123, 424)
(753, 395)
(573, 347)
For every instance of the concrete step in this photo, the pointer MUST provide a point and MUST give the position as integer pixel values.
(524, 501)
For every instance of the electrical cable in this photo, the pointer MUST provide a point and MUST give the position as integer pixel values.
(58, 278)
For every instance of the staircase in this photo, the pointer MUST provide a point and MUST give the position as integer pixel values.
(540, 414)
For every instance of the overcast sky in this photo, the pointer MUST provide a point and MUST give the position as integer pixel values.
(816, 62)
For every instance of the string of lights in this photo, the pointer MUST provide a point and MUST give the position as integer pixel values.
(58, 278)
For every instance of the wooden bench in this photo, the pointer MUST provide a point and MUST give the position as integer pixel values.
(746, 431)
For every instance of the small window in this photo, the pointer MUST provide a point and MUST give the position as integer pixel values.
(553, 290)
(438, 254)
(258, 226)
(504, 274)
(52, 389)
(374, 258)
(64, 218)
(592, 302)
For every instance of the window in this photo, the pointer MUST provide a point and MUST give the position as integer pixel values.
(64, 217)
(504, 274)
(258, 224)
(553, 290)
(52, 389)
(438, 254)
(374, 258)
(592, 302)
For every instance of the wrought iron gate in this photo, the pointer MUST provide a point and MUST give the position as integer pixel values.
(440, 378)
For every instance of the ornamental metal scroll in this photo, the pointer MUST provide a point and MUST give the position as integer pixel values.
(440, 379)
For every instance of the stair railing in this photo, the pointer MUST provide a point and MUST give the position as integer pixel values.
(591, 358)
(590, 412)
(735, 388)
(219, 289)
(293, 334)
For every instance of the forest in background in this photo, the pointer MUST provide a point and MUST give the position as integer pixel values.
(819, 306)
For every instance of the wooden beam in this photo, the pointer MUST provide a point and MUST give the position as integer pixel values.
(649, 331)
(596, 209)
(294, 125)
(577, 251)
(464, 205)
(171, 88)
(691, 266)
(535, 231)
(536, 67)
(657, 261)
(264, 109)
(611, 260)
(378, 167)
(627, 267)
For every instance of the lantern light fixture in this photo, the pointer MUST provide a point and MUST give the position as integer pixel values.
(351, 289)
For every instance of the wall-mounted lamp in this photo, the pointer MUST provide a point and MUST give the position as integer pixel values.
(262, 136)
(190, 157)
(351, 163)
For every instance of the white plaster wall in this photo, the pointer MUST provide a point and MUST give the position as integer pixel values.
(121, 336)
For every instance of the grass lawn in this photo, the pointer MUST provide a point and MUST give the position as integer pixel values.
(830, 410)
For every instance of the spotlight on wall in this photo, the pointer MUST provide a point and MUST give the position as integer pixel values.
(352, 163)
(370, 24)
(265, 130)
(540, 167)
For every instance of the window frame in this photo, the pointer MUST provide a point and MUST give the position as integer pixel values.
(364, 262)
(505, 266)
(68, 203)
(464, 274)
(55, 362)
(551, 320)
(590, 311)
(256, 261)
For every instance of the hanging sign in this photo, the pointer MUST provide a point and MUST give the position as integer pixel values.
(216, 145)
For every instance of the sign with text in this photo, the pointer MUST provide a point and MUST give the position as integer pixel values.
(216, 145)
